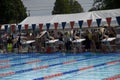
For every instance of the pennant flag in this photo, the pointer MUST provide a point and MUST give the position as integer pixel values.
(41, 26)
(33, 27)
(89, 22)
(26, 27)
(72, 24)
(19, 27)
(108, 21)
(118, 20)
(12, 28)
(98, 22)
(48, 26)
(80, 23)
(6, 28)
(63, 25)
(0, 27)
(56, 25)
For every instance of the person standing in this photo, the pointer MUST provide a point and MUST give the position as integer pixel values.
(88, 40)
(9, 44)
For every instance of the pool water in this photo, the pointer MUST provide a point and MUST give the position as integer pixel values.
(59, 66)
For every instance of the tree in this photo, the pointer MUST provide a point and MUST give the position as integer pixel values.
(105, 4)
(111, 4)
(75, 7)
(12, 11)
(66, 7)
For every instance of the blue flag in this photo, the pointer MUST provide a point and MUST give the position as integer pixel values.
(118, 20)
(80, 23)
(98, 22)
(19, 27)
(6, 28)
(33, 27)
(63, 25)
(48, 26)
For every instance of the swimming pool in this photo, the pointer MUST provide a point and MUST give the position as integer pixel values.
(57, 66)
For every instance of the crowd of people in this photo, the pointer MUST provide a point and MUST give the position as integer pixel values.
(93, 40)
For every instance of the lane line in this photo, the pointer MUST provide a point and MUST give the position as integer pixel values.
(3, 61)
(113, 77)
(29, 62)
(46, 66)
(77, 70)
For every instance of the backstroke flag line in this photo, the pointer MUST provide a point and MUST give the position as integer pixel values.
(63, 24)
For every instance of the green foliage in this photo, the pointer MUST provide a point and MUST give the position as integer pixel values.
(12, 11)
(66, 7)
(76, 7)
(105, 4)
(111, 4)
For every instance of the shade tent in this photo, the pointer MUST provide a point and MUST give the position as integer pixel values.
(57, 19)
(103, 14)
(85, 17)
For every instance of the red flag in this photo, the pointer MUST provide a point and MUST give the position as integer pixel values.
(12, 27)
(41, 26)
(56, 25)
(26, 27)
(72, 24)
(89, 22)
(108, 21)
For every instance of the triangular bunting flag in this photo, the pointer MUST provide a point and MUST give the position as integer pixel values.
(108, 21)
(56, 25)
(72, 24)
(26, 27)
(48, 26)
(118, 20)
(63, 25)
(98, 22)
(0, 27)
(80, 23)
(12, 28)
(33, 27)
(89, 22)
(6, 28)
(41, 26)
(19, 27)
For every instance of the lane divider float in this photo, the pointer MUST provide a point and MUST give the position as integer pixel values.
(29, 62)
(3, 61)
(43, 67)
(113, 77)
(77, 70)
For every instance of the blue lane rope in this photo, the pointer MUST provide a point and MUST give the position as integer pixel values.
(42, 67)
(77, 70)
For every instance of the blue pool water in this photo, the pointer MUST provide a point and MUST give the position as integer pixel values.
(36, 66)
